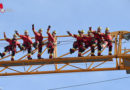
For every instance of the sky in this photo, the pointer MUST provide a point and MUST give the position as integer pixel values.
(64, 15)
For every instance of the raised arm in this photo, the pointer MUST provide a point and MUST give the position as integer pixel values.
(50, 37)
(33, 28)
(17, 33)
(21, 36)
(7, 39)
(34, 31)
(5, 36)
(48, 29)
(70, 34)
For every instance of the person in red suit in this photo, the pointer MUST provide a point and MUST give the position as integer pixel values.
(27, 43)
(38, 41)
(99, 37)
(78, 44)
(90, 41)
(108, 40)
(13, 43)
(51, 42)
(91, 30)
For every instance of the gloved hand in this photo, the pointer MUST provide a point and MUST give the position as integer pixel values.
(16, 31)
(68, 32)
(49, 27)
(32, 26)
(79, 31)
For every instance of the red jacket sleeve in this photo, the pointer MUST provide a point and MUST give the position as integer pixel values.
(36, 33)
(94, 32)
(22, 36)
(109, 37)
(85, 38)
(8, 40)
(50, 37)
(75, 36)
(31, 41)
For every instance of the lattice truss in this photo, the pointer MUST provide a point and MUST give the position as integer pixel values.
(65, 62)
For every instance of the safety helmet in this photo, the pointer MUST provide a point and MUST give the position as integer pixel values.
(99, 27)
(40, 29)
(15, 35)
(26, 31)
(54, 32)
(79, 31)
(82, 31)
(89, 31)
(107, 29)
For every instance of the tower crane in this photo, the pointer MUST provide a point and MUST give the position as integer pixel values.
(120, 60)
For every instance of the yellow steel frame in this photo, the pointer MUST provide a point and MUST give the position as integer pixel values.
(63, 64)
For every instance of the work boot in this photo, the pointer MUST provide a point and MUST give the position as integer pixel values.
(29, 58)
(92, 54)
(110, 54)
(39, 57)
(1, 55)
(12, 59)
(79, 55)
(82, 49)
(50, 57)
(71, 51)
(99, 54)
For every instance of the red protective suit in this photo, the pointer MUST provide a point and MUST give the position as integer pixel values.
(108, 38)
(50, 44)
(78, 44)
(13, 43)
(38, 42)
(108, 41)
(38, 37)
(90, 42)
(79, 41)
(27, 44)
(27, 41)
(51, 40)
(99, 37)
